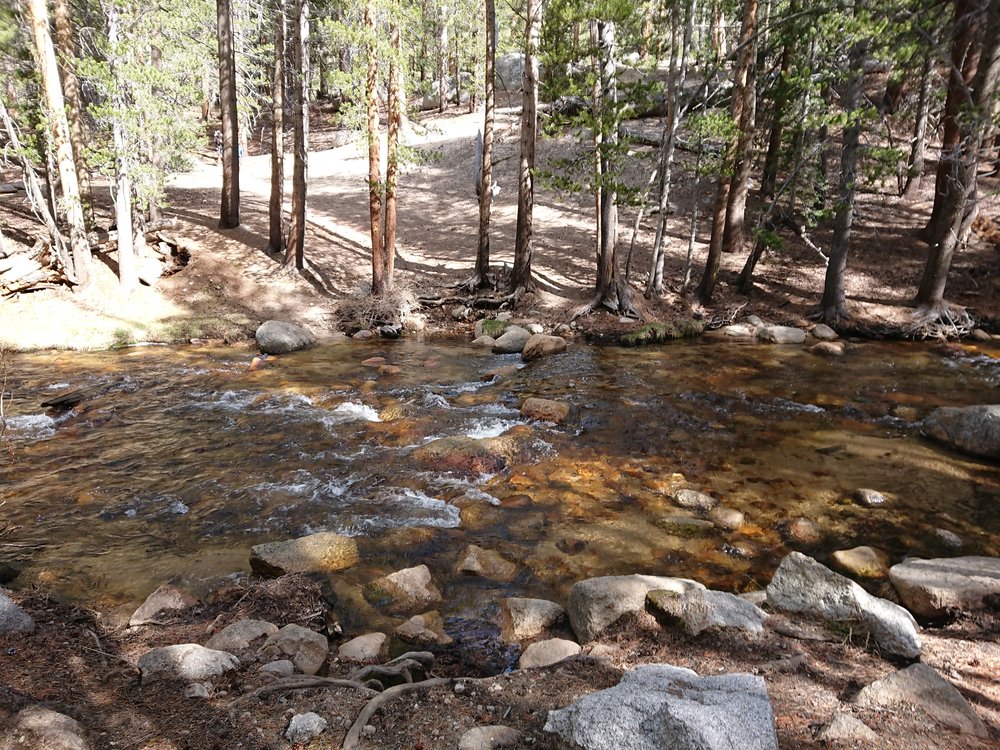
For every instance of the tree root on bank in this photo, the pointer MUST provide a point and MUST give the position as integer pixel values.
(353, 737)
(944, 321)
(617, 300)
(301, 682)
(478, 303)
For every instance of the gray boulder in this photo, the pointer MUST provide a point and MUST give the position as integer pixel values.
(845, 727)
(546, 653)
(239, 635)
(525, 618)
(922, 687)
(933, 587)
(325, 552)
(278, 668)
(661, 706)
(597, 603)
(739, 331)
(512, 341)
(166, 598)
(803, 585)
(185, 661)
(700, 609)
(13, 619)
(280, 337)
(781, 335)
(509, 71)
(824, 333)
(305, 727)
(44, 729)
(307, 649)
(971, 429)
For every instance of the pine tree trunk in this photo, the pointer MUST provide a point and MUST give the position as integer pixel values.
(521, 277)
(958, 205)
(392, 149)
(229, 216)
(481, 274)
(740, 77)
(82, 270)
(833, 307)
(374, 155)
(442, 72)
(128, 275)
(915, 167)
(74, 108)
(782, 96)
(295, 250)
(275, 208)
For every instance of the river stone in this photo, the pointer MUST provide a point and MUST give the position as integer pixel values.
(240, 634)
(13, 619)
(845, 727)
(686, 526)
(597, 603)
(661, 706)
(829, 348)
(921, 686)
(486, 563)
(739, 331)
(305, 727)
(512, 341)
(279, 337)
(522, 618)
(824, 333)
(424, 630)
(486, 342)
(545, 410)
(404, 590)
(324, 552)
(185, 661)
(541, 345)
(978, 334)
(972, 429)
(862, 562)
(701, 609)
(166, 598)
(805, 531)
(727, 518)
(781, 335)
(546, 653)
(489, 738)
(473, 456)
(368, 647)
(949, 539)
(869, 498)
(44, 729)
(278, 668)
(307, 649)
(932, 588)
(801, 584)
(694, 500)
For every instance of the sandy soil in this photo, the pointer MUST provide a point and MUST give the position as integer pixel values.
(232, 284)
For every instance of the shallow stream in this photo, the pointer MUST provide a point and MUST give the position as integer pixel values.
(181, 459)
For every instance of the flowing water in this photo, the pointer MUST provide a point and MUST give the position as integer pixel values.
(181, 459)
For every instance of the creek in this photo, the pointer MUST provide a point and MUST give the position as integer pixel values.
(182, 458)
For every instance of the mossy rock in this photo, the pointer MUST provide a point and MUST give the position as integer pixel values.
(494, 328)
(658, 333)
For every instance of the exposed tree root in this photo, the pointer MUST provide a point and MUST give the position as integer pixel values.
(353, 737)
(944, 321)
(302, 682)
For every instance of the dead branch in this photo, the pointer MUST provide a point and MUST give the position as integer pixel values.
(302, 682)
(353, 737)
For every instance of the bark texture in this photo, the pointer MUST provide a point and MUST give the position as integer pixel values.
(295, 251)
(229, 216)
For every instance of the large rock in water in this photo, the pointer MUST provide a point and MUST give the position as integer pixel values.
(781, 335)
(38, 727)
(473, 456)
(405, 590)
(512, 341)
(185, 661)
(801, 584)
(525, 618)
(541, 345)
(972, 429)
(662, 706)
(280, 337)
(934, 587)
(597, 603)
(325, 552)
(13, 619)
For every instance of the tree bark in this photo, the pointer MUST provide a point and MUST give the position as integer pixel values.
(915, 167)
(295, 250)
(374, 155)
(521, 277)
(229, 216)
(958, 204)
(275, 208)
(74, 109)
(720, 209)
(782, 96)
(81, 268)
(833, 307)
(392, 149)
(442, 71)
(481, 274)
(128, 274)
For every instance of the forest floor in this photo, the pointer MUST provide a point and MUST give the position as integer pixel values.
(232, 284)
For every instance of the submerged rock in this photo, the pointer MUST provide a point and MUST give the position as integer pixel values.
(185, 661)
(971, 429)
(487, 564)
(922, 687)
(862, 562)
(932, 588)
(325, 552)
(473, 456)
(662, 706)
(545, 410)
(869, 498)
(548, 652)
(424, 630)
(280, 337)
(803, 585)
(522, 618)
(597, 603)
(694, 500)
(405, 590)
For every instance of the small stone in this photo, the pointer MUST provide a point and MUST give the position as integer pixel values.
(869, 498)
(325, 552)
(755, 321)
(949, 538)
(804, 531)
(363, 335)
(829, 348)
(546, 653)
(487, 564)
(485, 342)
(368, 647)
(404, 590)
(685, 526)
(824, 333)
(727, 518)
(424, 630)
(390, 369)
(845, 727)
(694, 500)
(166, 598)
(862, 562)
(534, 328)
(373, 362)
(489, 738)
(185, 661)
(526, 618)
(368, 730)
(978, 334)
(279, 668)
(460, 312)
(239, 635)
(308, 650)
(40, 728)
(305, 727)
(739, 331)
(198, 690)
(781, 335)
(13, 619)
(390, 330)
(545, 410)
